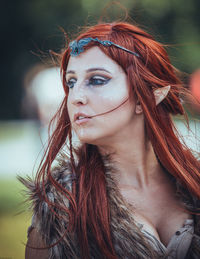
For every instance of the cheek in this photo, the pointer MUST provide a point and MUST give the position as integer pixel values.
(110, 98)
(116, 121)
(118, 118)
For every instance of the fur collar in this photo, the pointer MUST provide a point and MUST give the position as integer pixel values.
(128, 240)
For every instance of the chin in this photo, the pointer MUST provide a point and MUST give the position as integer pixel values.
(85, 138)
(93, 136)
(89, 139)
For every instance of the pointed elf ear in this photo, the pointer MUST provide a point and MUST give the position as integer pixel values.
(161, 93)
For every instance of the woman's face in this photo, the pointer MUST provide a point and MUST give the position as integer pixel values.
(97, 85)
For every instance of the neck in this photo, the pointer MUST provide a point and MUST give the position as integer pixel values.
(135, 160)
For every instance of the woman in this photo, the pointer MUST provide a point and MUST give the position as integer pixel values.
(131, 189)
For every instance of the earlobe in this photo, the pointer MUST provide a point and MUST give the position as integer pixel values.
(161, 93)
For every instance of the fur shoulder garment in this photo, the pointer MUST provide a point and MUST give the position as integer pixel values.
(128, 240)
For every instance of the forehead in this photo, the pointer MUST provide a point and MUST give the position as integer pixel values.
(93, 57)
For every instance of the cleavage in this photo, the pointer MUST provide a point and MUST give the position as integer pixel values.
(141, 221)
(148, 226)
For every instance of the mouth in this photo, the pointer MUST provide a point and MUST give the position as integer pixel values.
(81, 118)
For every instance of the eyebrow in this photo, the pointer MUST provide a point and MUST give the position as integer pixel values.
(90, 70)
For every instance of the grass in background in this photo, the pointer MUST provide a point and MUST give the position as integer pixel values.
(14, 219)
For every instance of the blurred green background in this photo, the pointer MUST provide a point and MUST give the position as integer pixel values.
(29, 29)
(31, 26)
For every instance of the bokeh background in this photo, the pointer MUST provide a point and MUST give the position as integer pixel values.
(31, 89)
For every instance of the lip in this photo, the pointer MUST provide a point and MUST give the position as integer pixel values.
(85, 118)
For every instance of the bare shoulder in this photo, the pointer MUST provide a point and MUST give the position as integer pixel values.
(35, 247)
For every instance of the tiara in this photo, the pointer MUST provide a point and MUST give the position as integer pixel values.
(77, 47)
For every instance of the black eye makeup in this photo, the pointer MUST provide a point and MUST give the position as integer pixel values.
(70, 82)
(97, 80)
(93, 81)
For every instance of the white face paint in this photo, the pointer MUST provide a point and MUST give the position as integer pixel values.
(97, 85)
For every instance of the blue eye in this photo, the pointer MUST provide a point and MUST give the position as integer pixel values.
(70, 83)
(96, 80)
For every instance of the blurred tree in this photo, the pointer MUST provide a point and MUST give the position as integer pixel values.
(30, 26)
(176, 23)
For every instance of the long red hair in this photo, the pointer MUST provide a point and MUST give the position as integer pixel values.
(89, 206)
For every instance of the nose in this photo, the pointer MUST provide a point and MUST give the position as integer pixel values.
(79, 96)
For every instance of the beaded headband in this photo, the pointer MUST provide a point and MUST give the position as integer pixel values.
(77, 46)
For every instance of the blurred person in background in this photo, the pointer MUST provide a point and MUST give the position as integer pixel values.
(132, 188)
(43, 95)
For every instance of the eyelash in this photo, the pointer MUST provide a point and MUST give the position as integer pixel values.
(91, 81)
